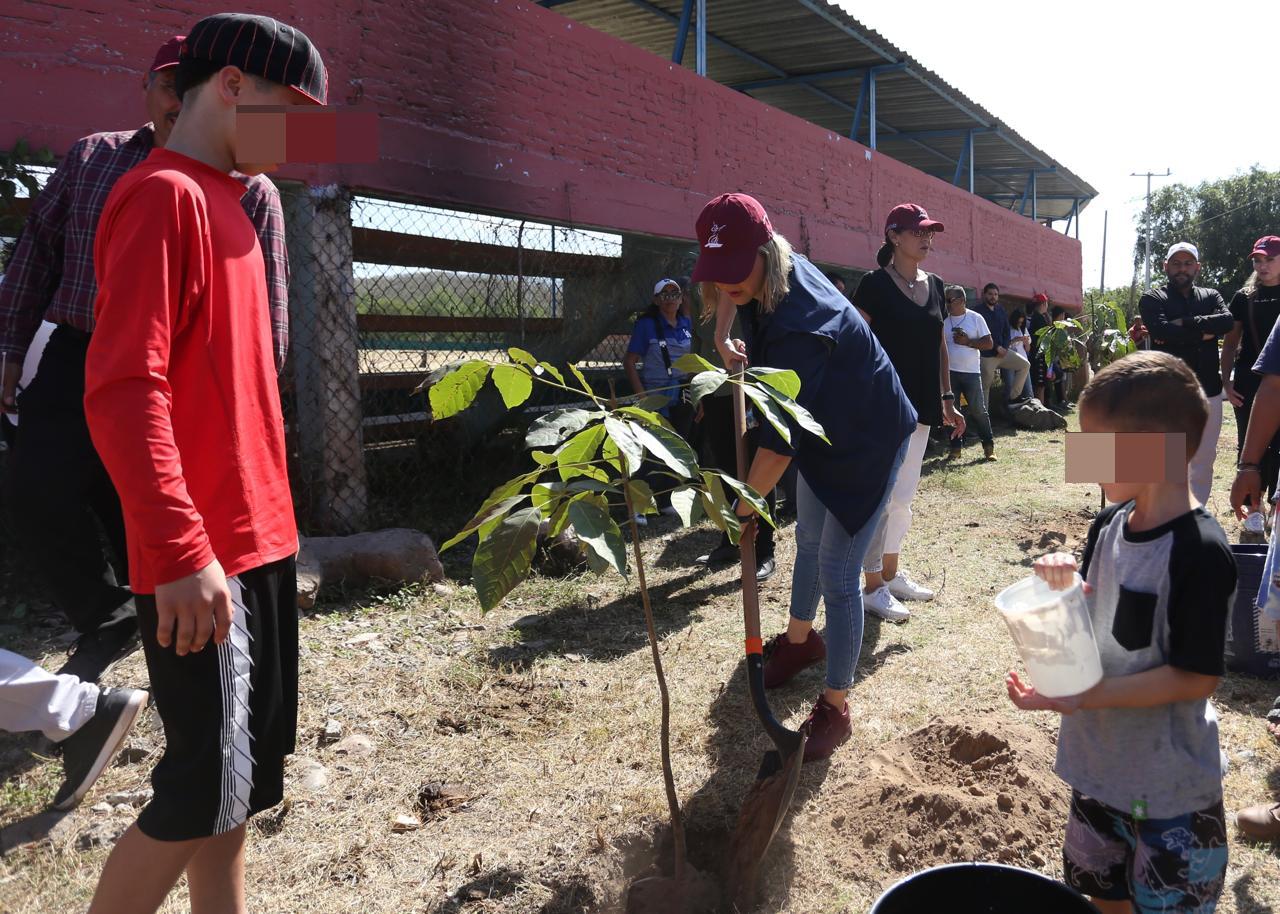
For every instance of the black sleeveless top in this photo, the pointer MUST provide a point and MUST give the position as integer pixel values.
(911, 336)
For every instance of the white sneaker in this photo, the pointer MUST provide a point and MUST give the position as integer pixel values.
(904, 588)
(883, 604)
(1255, 523)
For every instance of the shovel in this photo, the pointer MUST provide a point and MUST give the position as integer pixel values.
(769, 798)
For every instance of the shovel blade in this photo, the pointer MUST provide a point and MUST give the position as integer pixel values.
(759, 819)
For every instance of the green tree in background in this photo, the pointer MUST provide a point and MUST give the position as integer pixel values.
(1222, 218)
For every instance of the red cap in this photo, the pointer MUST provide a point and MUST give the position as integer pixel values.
(1039, 297)
(731, 229)
(1266, 246)
(907, 216)
(167, 56)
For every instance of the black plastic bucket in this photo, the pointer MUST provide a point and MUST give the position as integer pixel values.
(1245, 637)
(981, 888)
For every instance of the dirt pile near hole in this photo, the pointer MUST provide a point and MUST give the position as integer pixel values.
(970, 788)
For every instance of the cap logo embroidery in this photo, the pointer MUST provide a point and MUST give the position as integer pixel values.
(714, 240)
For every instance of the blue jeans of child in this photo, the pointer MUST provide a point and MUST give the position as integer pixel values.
(829, 565)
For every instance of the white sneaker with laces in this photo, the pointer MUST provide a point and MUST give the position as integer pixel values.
(1255, 523)
(880, 602)
(904, 588)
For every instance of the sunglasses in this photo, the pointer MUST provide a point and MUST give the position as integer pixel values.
(923, 233)
(669, 296)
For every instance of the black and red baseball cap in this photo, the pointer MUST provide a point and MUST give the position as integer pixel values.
(731, 229)
(167, 56)
(1266, 246)
(260, 46)
(908, 216)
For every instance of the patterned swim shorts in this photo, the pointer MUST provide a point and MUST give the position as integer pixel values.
(1163, 866)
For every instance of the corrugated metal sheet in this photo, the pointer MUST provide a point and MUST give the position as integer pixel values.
(775, 39)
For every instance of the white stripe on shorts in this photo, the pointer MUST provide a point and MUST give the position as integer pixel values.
(234, 667)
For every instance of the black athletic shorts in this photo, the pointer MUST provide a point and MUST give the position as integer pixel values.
(230, 712)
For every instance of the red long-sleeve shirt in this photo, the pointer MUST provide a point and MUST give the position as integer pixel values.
(180, 383)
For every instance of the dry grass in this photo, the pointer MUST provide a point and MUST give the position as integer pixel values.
(545, 714)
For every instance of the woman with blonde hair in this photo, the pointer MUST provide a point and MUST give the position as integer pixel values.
(905, 308)
(793, 318)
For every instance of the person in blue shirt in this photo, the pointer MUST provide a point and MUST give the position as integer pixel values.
(793, 318)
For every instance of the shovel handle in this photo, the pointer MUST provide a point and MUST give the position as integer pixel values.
(747, 540)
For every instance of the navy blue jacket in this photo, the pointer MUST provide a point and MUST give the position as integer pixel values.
(998, 323)
(846, 382)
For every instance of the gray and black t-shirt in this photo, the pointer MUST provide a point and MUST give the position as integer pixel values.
(1160, 597)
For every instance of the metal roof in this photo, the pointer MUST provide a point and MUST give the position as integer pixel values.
(813, 60)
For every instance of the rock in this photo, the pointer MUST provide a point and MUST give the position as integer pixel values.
(312, 775)
(102, 809)
(1035, 415)
(1036, 858)
(362, 639)
(1005, 802)
(101, 833)
(51, 826)
(357, 745)
(332, 732)
(443, 590)
(310, 575)
(133, 799)
(396, 554)
(404, 823)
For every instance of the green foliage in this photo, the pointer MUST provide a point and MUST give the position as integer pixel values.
(585, 462)
(1100, 334)
(15, 171)
(1222, 218)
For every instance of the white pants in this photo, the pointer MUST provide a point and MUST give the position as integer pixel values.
(32, 699)
(1201, 469)
(898, 510)
(1012, 360)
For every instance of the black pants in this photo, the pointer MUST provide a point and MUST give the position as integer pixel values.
(718, 434)
(1270, 464)
(66, 511)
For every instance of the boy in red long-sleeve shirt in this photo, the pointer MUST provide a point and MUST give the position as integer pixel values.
(182, 405)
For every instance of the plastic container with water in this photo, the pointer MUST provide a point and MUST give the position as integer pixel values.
(1054, 635)
(981, 888)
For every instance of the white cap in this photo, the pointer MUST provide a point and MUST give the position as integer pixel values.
(1183, 246)
(663, 283)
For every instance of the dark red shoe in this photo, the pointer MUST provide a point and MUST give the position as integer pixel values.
(783, 660)
(827, 729)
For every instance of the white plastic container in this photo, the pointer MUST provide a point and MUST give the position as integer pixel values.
(1054, 635)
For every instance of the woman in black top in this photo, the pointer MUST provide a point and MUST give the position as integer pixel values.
(1037, 320)
(904, 306)
(1255, 309)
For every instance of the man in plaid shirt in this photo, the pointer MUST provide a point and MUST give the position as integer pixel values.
(59, 485)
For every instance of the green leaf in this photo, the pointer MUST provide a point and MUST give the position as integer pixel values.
(708, 382)
(749, 495)
(553, 428)
(581, 380)
(543, 459)
(552, 370)
(642, 500)
(802, 416)
(559, 519)
(718, 508)
(500, 501)
(514, 383)
(610, 454)
(685, 501)
(524, 358)
(692, 363)
(503, 560)
(457, 389)
(648, 417)
(772, 411)
(668, 447)
(591, 521)
(784, 381)
(622, 435)
(580, 449)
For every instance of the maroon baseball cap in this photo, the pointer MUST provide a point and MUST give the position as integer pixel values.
(731, 229)
(1266, 246)
(907, 216)
(168, 54)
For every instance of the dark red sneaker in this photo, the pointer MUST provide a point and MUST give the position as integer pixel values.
(783, 660)
(827, 729)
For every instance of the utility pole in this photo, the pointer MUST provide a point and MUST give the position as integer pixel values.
(1146, 279)
(1102, 280)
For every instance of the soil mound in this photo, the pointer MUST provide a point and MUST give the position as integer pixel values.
(971, 788)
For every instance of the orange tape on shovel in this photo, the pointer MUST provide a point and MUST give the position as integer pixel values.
(754, 646)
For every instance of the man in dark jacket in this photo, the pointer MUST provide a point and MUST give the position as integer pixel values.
(1187, 321)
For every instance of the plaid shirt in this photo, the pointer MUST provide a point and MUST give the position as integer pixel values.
(50, 275)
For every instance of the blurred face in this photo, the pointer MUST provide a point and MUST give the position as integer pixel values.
(254, 93)
(668, 300)
(956, 306)
(913, 243)
(1182, 269)
(1114, 491)
(991, 297)
(1267, 268)
(162, 103)
(742, 292)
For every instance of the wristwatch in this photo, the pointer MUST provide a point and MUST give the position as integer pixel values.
(1247, 468)
(948, 396)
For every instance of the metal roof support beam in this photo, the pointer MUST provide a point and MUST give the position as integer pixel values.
(1026, 192)
(942, 134)
(1016, 170)
(701, 36)
(871, 108)
(796, 78)
(857, 113)
(1018, 196)
(682, 32)
(964, 155)
(1035, 199)
(969, 143)
(551, 4)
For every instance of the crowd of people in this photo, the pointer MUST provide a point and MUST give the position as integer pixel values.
(136, 250)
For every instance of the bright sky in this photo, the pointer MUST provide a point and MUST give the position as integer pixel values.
(1106, 89)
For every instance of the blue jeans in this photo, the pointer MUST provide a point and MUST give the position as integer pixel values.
(829, 565)
(970, 384)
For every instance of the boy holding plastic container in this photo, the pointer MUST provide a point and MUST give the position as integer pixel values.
(1146, 831)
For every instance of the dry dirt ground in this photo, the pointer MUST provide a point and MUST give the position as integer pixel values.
(518, 750)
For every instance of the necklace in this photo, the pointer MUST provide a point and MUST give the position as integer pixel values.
(911, 283)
